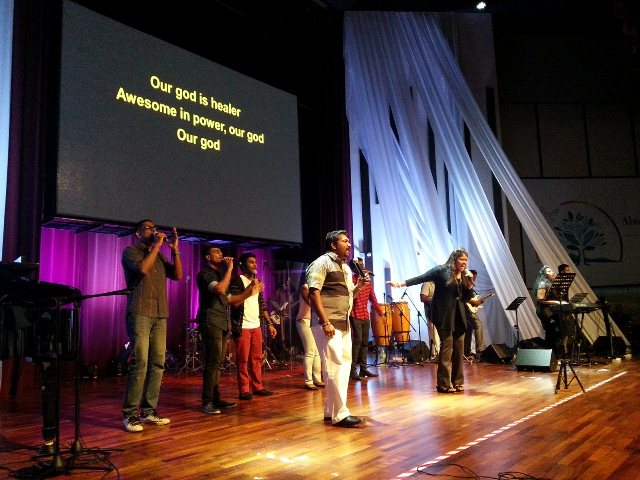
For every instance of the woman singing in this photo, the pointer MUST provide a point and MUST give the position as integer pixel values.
(453, 288)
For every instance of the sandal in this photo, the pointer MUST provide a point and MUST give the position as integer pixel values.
(458, 388)
(445, 389)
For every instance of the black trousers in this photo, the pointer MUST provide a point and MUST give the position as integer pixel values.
(360, 338)
(214, 339)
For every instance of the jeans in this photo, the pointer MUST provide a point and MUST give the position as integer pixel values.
(474, 327)
(214, 339)
(148, 337)
(312, 367)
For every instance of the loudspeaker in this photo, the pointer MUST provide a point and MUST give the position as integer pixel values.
(497, 353)
(535, 342)
(415, 351)
(602, 346)
(536, 359)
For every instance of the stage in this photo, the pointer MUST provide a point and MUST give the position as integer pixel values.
(505, 421)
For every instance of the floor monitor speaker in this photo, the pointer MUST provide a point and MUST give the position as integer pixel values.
(535, 342)
(536, 359)
(415, 351)
(604, 346)
(497, 353)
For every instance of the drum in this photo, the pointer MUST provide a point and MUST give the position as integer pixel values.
(381, 325)
(401, 324)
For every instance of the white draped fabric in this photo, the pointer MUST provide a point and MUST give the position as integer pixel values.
(401, 79)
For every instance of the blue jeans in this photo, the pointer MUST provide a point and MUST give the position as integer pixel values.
(148, 337)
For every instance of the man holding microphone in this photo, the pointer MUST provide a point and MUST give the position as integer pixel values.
(146, 271)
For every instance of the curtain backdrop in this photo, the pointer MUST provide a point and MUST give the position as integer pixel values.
(401, 80)
(91, 262)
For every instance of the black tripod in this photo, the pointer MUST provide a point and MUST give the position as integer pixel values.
(562, 375)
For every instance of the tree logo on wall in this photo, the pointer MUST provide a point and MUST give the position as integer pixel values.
(587, 232)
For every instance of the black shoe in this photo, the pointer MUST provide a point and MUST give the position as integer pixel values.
(223, 404)
(310, 386)
(263, 393)
(210, 409)
(327, 419)
(367, 373)
(245, 396)
(355, 377)
(349, 422)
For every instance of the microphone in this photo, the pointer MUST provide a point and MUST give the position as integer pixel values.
(167, 238)
(467, 273)
(404, 294)
(356, 266)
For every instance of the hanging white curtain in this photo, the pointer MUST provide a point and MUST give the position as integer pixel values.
(401, 78)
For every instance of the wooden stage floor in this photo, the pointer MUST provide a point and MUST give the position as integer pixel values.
(505, 421)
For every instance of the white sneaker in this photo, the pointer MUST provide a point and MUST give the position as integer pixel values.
(132, 424)
(155, 419)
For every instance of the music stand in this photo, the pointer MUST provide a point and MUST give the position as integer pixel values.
(514, 306)
(560, 287)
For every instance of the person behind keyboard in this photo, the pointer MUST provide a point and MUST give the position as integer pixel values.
(550, 320)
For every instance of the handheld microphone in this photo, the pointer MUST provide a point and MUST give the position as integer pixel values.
(356, 266)
(167, 238)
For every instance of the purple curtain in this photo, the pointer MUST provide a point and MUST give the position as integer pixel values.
(91, 262)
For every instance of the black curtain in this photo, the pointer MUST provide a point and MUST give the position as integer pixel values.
(33, 125)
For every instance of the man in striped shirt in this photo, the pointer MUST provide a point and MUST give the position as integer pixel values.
(331, 291)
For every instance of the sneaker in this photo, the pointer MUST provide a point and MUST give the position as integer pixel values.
(210, 409)
(154, 419)
(47, 448)
(132, 424)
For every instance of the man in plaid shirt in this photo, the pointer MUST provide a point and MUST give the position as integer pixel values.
(360, 324)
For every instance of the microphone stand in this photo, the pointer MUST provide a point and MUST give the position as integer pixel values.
(402, 316)
(77, 448)
(386, 337)
(419, 349)
(421, 361)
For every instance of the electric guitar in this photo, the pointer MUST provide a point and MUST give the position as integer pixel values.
(474, 309)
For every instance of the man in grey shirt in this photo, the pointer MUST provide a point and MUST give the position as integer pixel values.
(146, 271)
